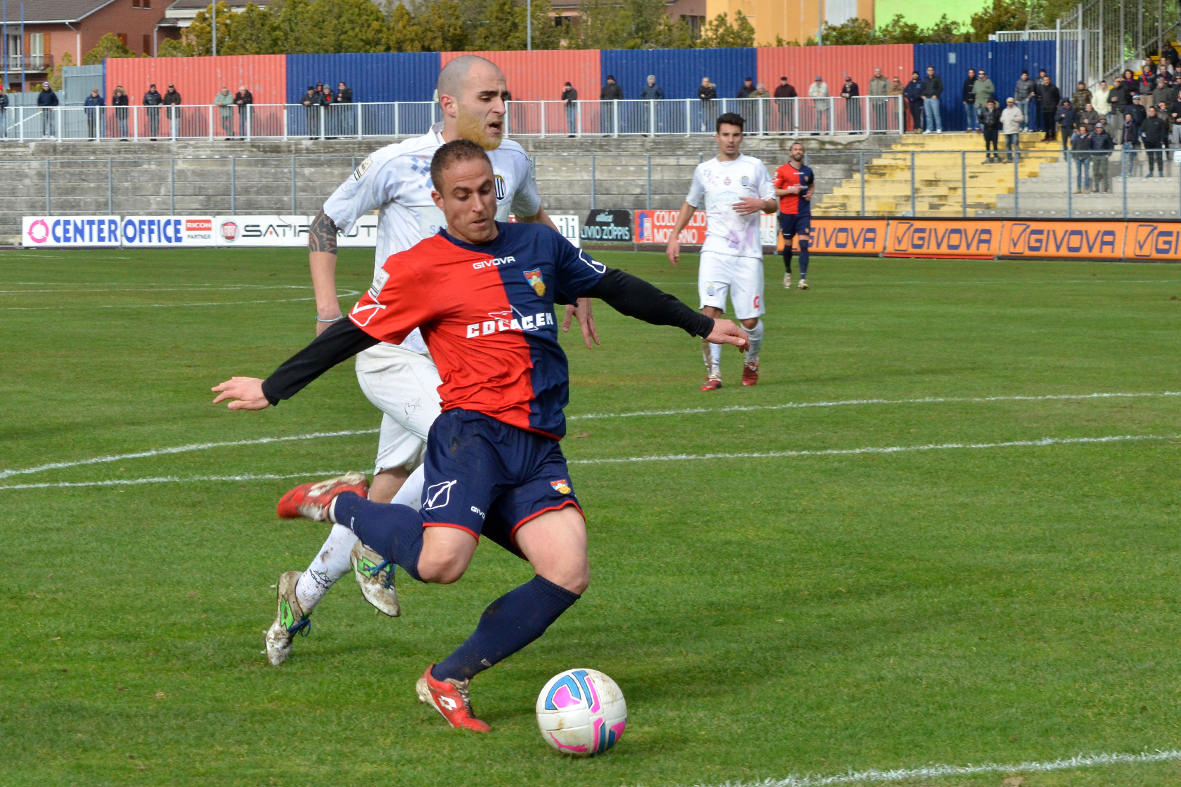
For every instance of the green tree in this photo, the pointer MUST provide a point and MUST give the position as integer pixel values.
(198, 37)
(899, 31)
(999, 15)
(502, 26)
(53, 74)
(348, 26)
(852, 32)
(441, 27)
(297, 31)
(252, 32)
(109, 45)
(172, 47)
(622, 24)
(720, 32)
(945, 31)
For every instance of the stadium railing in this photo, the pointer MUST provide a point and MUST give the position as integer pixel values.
(864, 114)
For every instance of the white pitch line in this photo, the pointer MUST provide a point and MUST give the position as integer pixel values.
(738, 408)
(875, 776)
(593, 416)
(870, 450)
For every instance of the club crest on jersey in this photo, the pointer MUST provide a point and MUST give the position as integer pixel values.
(561, 486)
(534, 279)
(745, 180)
(501, 189)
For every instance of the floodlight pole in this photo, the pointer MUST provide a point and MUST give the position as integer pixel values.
(529, 25)
(214, 7)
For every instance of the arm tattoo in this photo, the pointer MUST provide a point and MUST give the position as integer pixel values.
(322, 234)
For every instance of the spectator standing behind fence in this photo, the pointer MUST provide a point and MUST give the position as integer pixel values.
(1049, 97)
(327, 120)
(1081, 96)
(570, 98)
(707, 93)
(1131, 141)
(172, 101)
(850, 92)
(878, 86)
(968, 98)
(344, 110)
(818, 92)
(932, 90)
(784, 91)
(224, 101)
(611, 93)
(913, 94)
(47, 100)
(1087, 115)
(1012, 120)
(312, 101)
(1065, 122)
(1099, 100)
(243, 99)
(151, 100)
(3, 111)
(120, 101)
(651, 93)
(985, 90)
(990, 125)
(1080, 151)
(762, 107)
(94, 103)
(1153, 133)
(1101, 144)
(1173, 109)
(1022, 93)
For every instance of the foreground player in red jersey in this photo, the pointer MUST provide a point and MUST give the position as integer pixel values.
(483, 294)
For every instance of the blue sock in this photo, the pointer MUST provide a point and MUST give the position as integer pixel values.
(507, 625)
(787, 255)
(393, 531)
(804, 246)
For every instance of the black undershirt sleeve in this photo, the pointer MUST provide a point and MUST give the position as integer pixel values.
(341, 341)
(637, 298)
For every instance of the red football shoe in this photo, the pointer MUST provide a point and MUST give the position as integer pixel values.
(450, 698)
(712, 383)
(312, 500)
(750, 372)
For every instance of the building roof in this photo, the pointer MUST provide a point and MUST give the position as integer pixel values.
(201, 5)
(42, 11)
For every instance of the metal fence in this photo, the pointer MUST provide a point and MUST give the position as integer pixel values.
(920, 184)
(831, 115)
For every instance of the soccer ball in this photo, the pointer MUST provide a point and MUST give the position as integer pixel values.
(581, 712)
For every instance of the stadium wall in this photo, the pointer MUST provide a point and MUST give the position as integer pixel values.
(539, 75)
(1003, 61)
(678, 72)
(802, 64)
(198, 79)
(373, 77)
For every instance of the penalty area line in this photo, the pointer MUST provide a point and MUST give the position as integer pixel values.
(875, 776)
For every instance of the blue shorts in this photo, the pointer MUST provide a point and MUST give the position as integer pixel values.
(489, 478)
(792, 224)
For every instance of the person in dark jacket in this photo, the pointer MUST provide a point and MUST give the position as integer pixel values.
(932, 90)
(1049, 97)
(570, 99)
(784, 91)
(1154, 131)
(1023, 92)
(1131, 141)
(707, 93)
(243, 99)
(120, 101)
(651, 92)
(1080, 153)
(990, 125)
(968, 92)
(346, 116)
(3, 111)
(1102, 145)
(850, 92)
(313, 102)
(152, 100)
(611, 93)
(172, 101)
(913, 95)
(1065, 122)
(47, 100)
(93, 103)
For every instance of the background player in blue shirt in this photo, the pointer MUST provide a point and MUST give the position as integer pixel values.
(483, 294)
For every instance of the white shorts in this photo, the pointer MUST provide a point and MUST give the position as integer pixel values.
(741, 278)
(404, 385)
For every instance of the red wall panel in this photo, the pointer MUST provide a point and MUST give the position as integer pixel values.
(540, 74)
(802, 64)
(198, 79)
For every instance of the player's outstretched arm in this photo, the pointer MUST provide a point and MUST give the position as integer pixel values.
(322, 262)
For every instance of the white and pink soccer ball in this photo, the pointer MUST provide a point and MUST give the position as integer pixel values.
(581, 712)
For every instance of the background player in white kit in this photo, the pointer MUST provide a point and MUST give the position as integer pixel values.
(400, 380)
(733, 188)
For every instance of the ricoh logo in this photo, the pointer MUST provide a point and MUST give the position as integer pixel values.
(909, 236)
(1030, 239)
(507, 321)
(495, 262)
(1150, 241)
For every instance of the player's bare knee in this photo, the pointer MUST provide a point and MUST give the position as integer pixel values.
(575, 578)
(441, 569)
(750, 324)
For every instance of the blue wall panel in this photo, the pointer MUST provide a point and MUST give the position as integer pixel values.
(678, 72)
(1003, 62)
(384, 76)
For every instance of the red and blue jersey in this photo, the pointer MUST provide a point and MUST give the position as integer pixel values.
(795, 204)
(487, 315)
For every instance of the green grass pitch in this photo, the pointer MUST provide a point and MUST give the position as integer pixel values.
(937, 544)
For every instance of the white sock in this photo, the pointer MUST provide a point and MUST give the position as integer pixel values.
(410, 493)
(330, 564)
(712, 355)
(755, 336)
